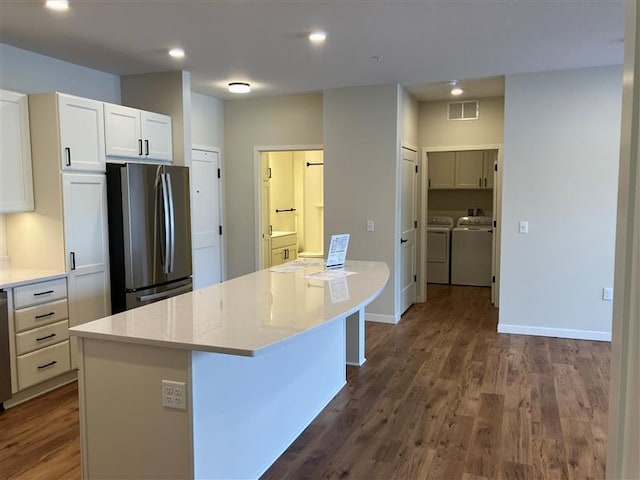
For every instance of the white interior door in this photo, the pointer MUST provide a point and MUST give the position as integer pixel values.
(205, 216)
(408, 230)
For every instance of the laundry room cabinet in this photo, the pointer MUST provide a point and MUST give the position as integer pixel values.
(137, 134)
(441, 169)
(16, 183)
(468, 170)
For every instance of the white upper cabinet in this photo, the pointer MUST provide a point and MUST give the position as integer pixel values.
(137, 134)
(16, 183)
(441, 169)
(469, 169)
(81, 134)
(156, 133)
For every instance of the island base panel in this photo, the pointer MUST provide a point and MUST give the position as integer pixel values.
(126, 432)
(248, 410)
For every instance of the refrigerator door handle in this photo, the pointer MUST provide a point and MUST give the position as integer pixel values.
(165, 214)
(172, 225)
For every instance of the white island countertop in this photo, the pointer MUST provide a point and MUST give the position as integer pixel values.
(248, 315)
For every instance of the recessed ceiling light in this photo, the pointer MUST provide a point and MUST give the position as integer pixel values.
(239, 87)
(317, 37)
(456, 91)
(376, 58)
(176, 52)
(59, 5)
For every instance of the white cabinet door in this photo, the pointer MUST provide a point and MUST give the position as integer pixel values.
(123, 136)
(81, 133)
(205, 215)
(490, 157)
(16, 183)
(441, 169)
(469, 169)
(156, 135)
(87, 249)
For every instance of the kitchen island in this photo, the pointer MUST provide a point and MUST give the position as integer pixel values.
(250, 362)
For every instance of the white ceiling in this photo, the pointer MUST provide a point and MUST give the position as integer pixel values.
(423, 44)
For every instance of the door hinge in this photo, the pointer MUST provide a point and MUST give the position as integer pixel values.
(270, 230)
(269, 172)
(220, 229)
(493, 279)
(415, 224)
(495, 167)
(495, 224)
(416, 168)
(415, 278)
(219, 173)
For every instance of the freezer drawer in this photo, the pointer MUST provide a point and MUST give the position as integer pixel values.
(151, 295)
(38, 366)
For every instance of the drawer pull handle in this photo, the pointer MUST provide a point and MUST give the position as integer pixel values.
(45, 315)
(40, 367)
(45, 337)
(42, 293)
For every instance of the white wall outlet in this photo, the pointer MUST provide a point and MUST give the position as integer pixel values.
(607, 293)
(174, 394)
(523, 226)
(371, 226)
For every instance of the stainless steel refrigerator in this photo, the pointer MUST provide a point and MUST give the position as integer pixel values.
(149, 233)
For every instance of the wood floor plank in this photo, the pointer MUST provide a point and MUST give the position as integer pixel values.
(441, 396)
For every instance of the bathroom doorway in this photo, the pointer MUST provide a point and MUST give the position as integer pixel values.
(290, 207)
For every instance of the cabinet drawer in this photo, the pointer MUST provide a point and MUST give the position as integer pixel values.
(37, 293)
(42, 337)
(38, 366)
(41, 315)
(284, 241)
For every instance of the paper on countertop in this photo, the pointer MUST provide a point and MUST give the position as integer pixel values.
(328, 275)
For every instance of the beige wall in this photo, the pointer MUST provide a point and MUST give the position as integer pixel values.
(561, 151)
(207, 121)
(168, 93)
(623, 439)
(249, 123)
(361, 150)
(434, 130)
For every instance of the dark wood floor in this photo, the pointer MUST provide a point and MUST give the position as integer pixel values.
(441, 396)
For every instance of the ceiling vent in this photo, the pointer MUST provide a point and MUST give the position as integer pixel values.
(463, 110)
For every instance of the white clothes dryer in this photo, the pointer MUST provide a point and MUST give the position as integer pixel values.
(471, 251)
(438, 249)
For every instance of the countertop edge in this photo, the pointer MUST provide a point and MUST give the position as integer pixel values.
(37, 276)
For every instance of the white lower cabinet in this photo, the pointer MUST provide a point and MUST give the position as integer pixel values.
(284, 248)
(41, 331)
(87, 248)
(43, 364)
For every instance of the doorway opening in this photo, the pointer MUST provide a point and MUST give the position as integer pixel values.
(462, 182)
(291, 205)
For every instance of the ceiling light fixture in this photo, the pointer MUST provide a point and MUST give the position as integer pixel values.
(317, 36)
(176, 52)
(455, 90)
(239, 87)
(59, 5)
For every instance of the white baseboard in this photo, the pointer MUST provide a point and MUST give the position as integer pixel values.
(376, 317)
(356, 364)
(555, 332)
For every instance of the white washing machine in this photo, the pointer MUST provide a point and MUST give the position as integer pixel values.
(438, 249)
(471, 251)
